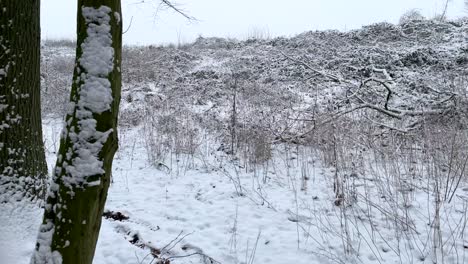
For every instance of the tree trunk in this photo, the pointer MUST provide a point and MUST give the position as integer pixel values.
(23, 169)
(78, 191)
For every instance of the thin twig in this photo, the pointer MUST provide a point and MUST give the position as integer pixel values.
(178, 10)
(129, 25)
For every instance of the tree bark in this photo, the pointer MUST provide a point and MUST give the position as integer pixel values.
(23, 168)
(80, 181)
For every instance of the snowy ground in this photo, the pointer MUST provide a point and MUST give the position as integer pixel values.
(227, 214)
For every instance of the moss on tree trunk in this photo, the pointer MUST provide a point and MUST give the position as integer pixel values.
(23, 169)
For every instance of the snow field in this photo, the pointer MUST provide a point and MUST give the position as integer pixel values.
(230, 214)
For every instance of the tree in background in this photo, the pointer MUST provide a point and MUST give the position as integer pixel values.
(23, 168)
(80, 180)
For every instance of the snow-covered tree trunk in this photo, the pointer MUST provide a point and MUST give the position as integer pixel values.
(23, 168)
(78, 191)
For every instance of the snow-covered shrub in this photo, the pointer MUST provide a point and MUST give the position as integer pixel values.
(254, 145)
(56, 78)
(214, 43)
(410, 16)
(257, 33)
(419, 58)
(60, 43)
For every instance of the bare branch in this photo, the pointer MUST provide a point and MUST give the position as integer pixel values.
(384, 83)
(129, 25)
(178, 10)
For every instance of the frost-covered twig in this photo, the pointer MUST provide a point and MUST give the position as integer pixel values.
(324, 74)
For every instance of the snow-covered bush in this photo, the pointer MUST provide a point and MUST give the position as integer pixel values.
(56, 71)
(410, 16)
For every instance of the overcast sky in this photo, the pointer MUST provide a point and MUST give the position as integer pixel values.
(239, 18)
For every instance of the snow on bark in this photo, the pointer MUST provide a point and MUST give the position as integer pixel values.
(95, 97)
(117, 16)
(97, 61)
(44, 254)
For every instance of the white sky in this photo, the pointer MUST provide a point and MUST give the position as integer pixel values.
(239, 18)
